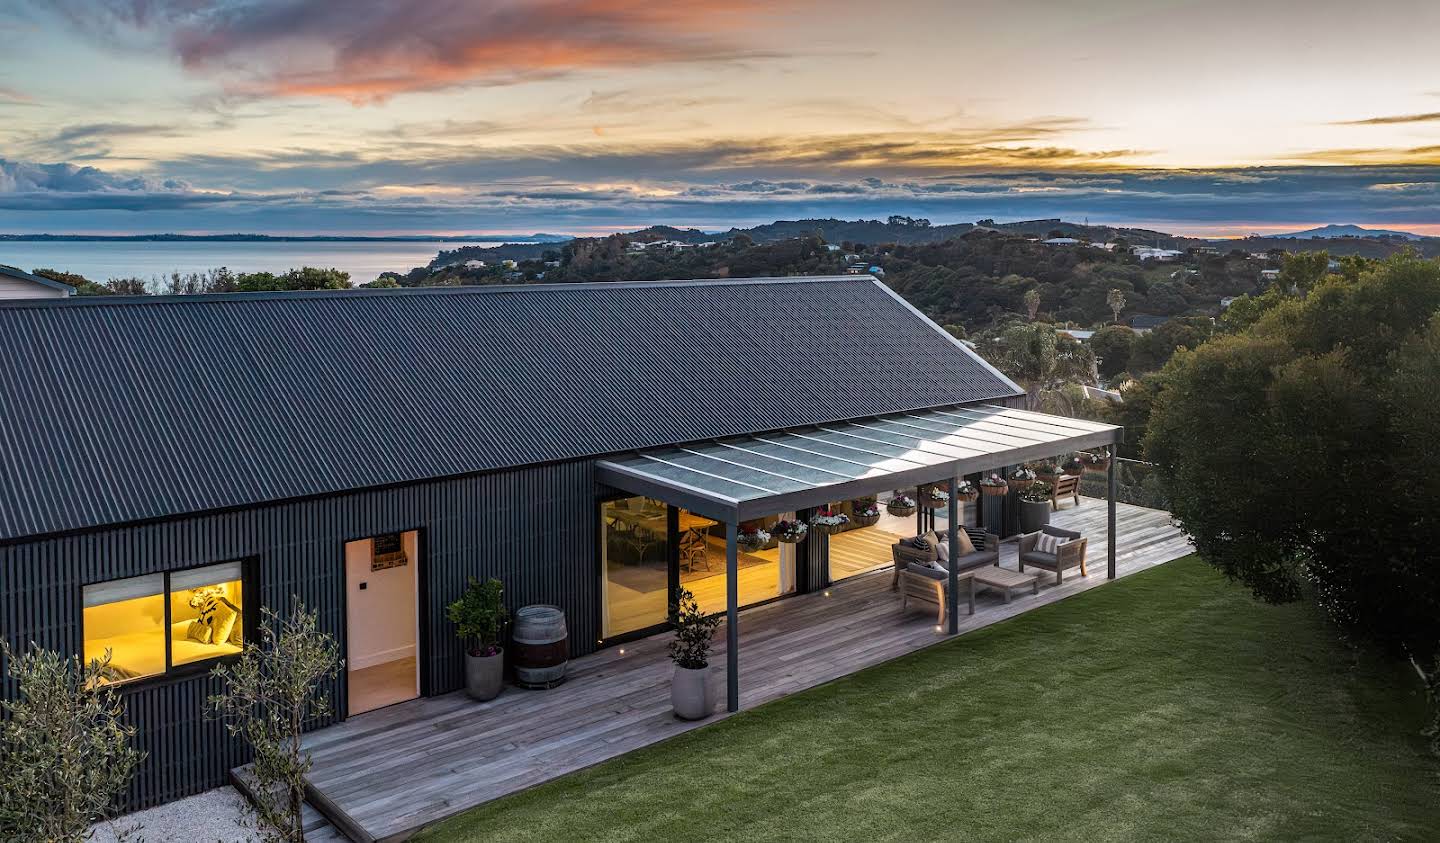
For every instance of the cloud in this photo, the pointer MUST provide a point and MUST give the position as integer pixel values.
(13, 96)
(366, 51)
(29, 186)
(1431, 117)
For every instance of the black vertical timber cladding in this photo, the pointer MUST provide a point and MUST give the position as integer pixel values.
(532, 528)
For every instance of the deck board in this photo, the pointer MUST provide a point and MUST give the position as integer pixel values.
(395, 770)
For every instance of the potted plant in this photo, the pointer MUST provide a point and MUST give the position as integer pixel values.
(966, 491)
(1021, 478)
(901, 505)
(1046, 470)
(751, 539)
(993, 485)
(1094, 462)
(1035, 506)
(1073, 467)
(829, 521)
(789, 532)
(866, 512)
(690, 693)
(934, 497)
(478, 616)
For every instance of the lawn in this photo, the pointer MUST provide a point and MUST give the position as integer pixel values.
(1168, 705)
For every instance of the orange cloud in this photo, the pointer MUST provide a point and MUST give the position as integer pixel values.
(366, 51)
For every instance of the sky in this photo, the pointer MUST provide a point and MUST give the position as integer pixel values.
(587, 116)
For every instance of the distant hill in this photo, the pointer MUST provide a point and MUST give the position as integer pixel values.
(1326, 232)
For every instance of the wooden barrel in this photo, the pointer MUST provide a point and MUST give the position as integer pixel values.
(540, 649)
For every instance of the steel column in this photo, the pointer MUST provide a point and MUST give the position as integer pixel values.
(1110, 502)
(732, 618)
(952, 593)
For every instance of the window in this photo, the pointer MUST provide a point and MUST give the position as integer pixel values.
(155, 623)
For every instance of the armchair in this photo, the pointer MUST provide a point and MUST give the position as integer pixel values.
(1070, 553)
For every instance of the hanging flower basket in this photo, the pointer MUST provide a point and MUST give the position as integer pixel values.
(789, 532)
(1021, 479)
(1047, 470)
(901, 505)
(994, 486)
(966, 492)
(865, 513)
(751, 539)
(828, 522)
(934, 497)
(1094, 462)
(1073, 467)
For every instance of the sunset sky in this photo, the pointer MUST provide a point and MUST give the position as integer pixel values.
(577, 116)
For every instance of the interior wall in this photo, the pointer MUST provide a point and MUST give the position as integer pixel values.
(381, 616)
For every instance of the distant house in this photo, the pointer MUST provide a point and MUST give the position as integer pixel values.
(19, 284)
(1144, 324)
(1148, 253)
(855, 269)
(1227, 301)
(1076, 334)
(1269, 275)
(831, 247)
(851, 257)
(552, 263)
(877, 272)
(508, 264)
(1062, 241)
(474, 264)
(1182, 274)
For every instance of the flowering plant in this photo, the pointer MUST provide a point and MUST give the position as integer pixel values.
(902, 500)
(938, 494)
(789, 531)
(992, 480)
(1037, 493)
(1045, 468)
(1088, 458)
(867, 509)
(829, 518)
(752, 538)
(966, 489)
(1022, 474)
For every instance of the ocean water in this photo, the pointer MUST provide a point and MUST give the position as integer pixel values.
(99, 261)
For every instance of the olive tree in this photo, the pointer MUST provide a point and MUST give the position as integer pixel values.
(1299, 453)
(65, 748)
(270, 694)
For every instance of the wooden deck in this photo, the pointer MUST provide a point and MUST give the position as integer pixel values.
(386, 774)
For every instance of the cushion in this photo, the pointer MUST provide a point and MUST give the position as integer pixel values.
(1044, 560)
(916, 543)
(1046, 543)
(222, 624)
(942, 551)
(936, 573)
(964, 543)
(199, 631)
(976, 536)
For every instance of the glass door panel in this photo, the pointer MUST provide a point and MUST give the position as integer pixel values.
(634, 547)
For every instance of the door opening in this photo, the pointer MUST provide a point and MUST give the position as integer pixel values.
(382, 641)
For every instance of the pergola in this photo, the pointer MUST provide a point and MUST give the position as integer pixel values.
(744, 477)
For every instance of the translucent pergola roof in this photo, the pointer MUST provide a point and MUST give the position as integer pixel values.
(747, 477)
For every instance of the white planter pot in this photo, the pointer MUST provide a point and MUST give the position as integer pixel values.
(485, 675)
(690, 693)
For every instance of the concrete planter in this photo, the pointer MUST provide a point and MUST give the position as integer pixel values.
(1034, 515)
(691, 693)
(485, 675)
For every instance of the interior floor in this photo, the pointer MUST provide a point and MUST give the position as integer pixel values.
(383, 684)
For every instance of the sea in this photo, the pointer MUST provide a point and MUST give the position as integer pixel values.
(102, 260)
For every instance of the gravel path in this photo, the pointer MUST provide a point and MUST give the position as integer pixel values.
(207, 816)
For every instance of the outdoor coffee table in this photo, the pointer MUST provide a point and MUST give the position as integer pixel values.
(1005, 580)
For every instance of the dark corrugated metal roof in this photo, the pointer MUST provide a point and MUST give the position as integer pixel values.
(118, 410)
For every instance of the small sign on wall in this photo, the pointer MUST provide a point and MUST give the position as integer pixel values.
(389, 552)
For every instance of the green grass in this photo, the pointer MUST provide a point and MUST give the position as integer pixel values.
(1169, 705)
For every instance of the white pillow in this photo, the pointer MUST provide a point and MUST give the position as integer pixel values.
(1047, 543)
(942, 551)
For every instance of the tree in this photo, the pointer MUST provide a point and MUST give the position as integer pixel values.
(1299, 453)
(65, 749)
(1042, 361)
(1032, 303)
(1111, 345)
(1115, 300)
(268, 696)
(83, 286)
(1303, 270)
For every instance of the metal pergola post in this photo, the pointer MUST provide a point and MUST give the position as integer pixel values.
(732, 617)
(952, 592)
(1110, 503)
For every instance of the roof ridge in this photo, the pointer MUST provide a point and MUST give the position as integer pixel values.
(395, 292)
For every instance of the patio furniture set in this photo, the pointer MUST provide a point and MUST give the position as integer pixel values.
(921, 574)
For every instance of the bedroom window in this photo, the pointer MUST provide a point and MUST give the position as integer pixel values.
(160, 622)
